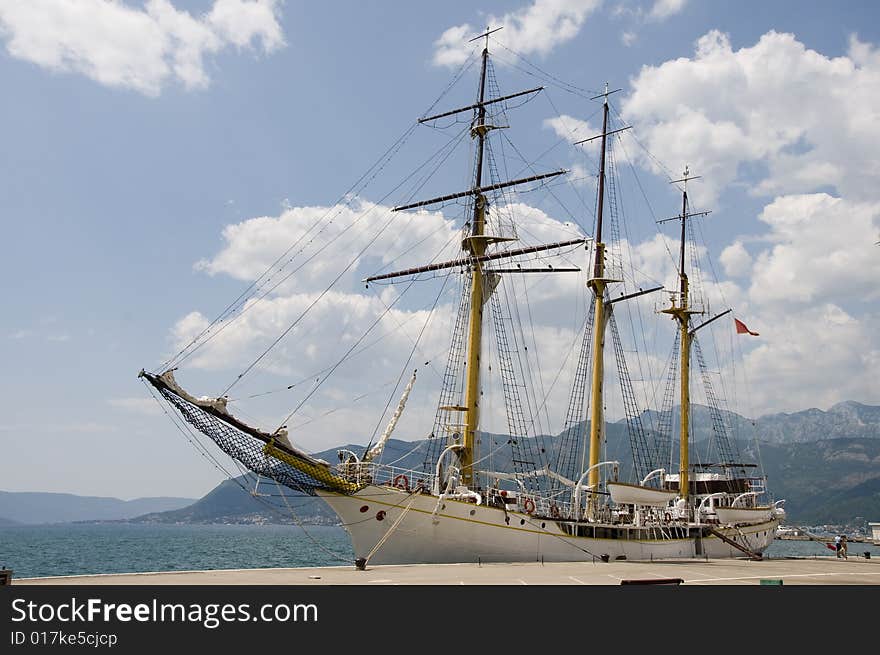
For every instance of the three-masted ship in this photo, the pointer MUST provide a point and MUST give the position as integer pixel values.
(541, 507)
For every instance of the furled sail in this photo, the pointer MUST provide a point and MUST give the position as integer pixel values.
(376, 450)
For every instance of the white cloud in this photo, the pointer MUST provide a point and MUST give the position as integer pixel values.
(141, 49)
(809, 290)
(535, 29)
(242, 21)
(778, 119)
(255, 244)
(803, 120)
(573, 129)
(823, 248)
(628, 38)
(736, 259)
(663, 9)
(814, 356)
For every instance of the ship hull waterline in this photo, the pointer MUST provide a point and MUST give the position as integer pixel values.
(462, 532)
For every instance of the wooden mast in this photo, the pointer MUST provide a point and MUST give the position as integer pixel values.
(598, 284)
(683, 318)
(476, 246)
(681, 313)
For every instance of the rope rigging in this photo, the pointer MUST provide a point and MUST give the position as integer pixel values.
(523, 388)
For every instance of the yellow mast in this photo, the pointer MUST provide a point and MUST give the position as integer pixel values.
(681, 312)
(598, 284)
(476, 246)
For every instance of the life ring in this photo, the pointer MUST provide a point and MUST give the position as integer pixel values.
(401, 482)
(668, 517)
(529, 506)
(554, 511)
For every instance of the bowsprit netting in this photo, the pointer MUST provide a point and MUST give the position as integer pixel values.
(262, 455)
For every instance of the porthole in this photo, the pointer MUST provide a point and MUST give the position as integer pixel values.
(364, 508)
(380, 515)
(522, 521)
(473, 511)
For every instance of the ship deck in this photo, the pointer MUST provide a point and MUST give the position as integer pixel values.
(857, 570)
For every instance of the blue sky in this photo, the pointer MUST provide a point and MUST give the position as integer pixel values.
(135, 133)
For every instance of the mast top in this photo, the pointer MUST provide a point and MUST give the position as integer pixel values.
(486, 35)
(605, 94)
(686, 175)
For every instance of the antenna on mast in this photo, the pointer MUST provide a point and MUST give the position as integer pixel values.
(686, 176)
(486, 35)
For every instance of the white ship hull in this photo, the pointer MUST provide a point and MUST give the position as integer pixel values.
(464, 532)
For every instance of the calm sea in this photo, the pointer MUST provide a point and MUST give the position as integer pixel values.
(34, 551)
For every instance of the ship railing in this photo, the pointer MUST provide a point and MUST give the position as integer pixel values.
(758, 485)
(532, 504)
(364, 473)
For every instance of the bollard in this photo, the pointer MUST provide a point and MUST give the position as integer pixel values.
(5, 576)
(867, 554)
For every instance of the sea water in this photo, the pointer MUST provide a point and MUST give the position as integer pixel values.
(82, 549)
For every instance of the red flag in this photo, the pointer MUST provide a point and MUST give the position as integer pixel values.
(742, 329)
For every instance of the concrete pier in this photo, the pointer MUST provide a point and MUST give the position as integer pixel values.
(812, 571)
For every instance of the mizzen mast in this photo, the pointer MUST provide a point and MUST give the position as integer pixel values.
(681, 312)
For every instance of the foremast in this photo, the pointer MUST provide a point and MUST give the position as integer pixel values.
(598, 283)
(475, 247)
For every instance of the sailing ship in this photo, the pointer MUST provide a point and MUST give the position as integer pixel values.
(564, 503)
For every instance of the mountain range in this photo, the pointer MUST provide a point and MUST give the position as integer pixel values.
(847, 419)
(32, 507)
(825, 464)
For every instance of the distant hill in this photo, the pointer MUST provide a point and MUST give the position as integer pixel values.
(831, 481)
(33, 507)
(7, 522)
(846, 420)
(233, 501)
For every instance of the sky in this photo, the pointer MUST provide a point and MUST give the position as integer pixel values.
(160, 155)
